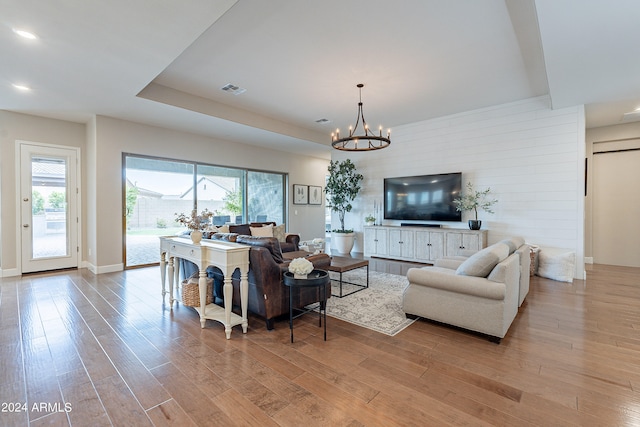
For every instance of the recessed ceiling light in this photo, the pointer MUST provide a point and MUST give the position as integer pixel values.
(25, 34)
(23, 88)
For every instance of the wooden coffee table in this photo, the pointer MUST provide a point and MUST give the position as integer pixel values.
(341, 264)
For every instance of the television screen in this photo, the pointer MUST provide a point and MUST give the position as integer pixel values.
(422, 198)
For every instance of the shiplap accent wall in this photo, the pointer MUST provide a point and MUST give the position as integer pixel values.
(531, 156)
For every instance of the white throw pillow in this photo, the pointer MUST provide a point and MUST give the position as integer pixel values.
(266, 231)
(221, 229)
(556, 264)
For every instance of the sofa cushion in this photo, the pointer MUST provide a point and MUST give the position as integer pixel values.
(227, 237)
(240, 229)
(481, 263)
(447, 280)
(265, 231)
(271, 243)
(513, 243)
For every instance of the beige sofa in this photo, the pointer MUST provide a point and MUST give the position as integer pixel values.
(516, 245)
(481, 294)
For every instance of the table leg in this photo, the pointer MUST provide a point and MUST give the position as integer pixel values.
(367, 275)
(227, 291)
(324, 298)
(163, 271)
(291, 312)
(171, 277)
(176, 280)
(202, 290)
(244, 299)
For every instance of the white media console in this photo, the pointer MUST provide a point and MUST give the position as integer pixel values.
(420, 244)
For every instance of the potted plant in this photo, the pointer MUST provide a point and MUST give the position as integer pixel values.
(342, 188)
(370, 219)
(473, 200)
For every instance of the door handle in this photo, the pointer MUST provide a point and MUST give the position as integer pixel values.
(25, 225)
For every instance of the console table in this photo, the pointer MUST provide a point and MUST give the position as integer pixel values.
(227, 257)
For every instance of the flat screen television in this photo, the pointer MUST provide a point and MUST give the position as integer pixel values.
(423, 198)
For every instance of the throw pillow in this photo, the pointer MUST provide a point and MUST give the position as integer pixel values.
(280, 233)
(556, 264)
(221, 229)
(481, 263)
(266, 231)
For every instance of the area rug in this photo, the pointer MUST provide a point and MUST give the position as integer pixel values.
(378, 308)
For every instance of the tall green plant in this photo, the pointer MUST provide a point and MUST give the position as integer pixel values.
(342, 188)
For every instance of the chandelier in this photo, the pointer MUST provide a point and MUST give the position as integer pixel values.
(364, 142)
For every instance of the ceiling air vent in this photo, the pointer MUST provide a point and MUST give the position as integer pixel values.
(236, 90)
(323, 121)
(632, 116)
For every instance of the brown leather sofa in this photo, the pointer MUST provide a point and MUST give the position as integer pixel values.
(290, 245)
(268, 296)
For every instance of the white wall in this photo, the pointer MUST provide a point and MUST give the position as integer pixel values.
(532, 157)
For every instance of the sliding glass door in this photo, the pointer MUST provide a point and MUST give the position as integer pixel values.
(155, 190)
(265, 196)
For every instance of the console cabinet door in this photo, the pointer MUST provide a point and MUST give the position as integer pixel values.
(375, 241)
(453, 243)
(401, 243)
(471, 242)
(422, 248)
(381, 241)
(429, 245)
(458, 242)
(436, 246)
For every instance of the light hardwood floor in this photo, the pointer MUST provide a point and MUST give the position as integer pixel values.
(109, 349)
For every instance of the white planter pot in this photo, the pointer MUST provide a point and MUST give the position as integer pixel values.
(343, 242)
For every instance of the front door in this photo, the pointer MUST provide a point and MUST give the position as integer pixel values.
(48, 207)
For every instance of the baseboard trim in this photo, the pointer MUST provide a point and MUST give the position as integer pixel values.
(588, 260)
(105, 268)
(11, 272)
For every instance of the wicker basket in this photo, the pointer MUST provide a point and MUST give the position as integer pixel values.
(191, 292)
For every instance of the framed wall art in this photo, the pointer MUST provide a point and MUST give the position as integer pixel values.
(315, 195)
(300, 194)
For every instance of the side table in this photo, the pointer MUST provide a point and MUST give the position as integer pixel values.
(317, 278)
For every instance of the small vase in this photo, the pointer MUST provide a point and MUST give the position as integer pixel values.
(196, 237)
(299, 276)
(475, 224)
